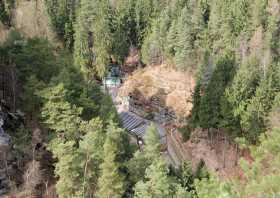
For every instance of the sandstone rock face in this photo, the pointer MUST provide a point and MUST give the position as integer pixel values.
(161, 87)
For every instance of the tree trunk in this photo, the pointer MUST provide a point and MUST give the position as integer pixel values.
(224, 152)
(14, 88)
(237, 152)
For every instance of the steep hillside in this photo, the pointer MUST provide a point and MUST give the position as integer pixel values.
(162, 87)
(218, 102)
(31, 20)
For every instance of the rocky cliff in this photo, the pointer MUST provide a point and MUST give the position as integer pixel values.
(161, 90)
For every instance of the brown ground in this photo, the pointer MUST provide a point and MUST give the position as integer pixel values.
(220, 154)
(174, 89)
(171, 87)
(31, 20)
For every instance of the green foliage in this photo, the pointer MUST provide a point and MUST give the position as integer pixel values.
(60, 115)
(93, 37)
(91, 150)
(136, 167)
(236, 43)
(102, 37)
(62, 16)
(125, 33)
(83, 53)
(142, 160)
(186, 132)
(6, 7)
(157, 182)
(4, 17)
(261, 176)
(263, 179)
(67, 168)
(213, 188)
(210, 107)
(30, 100)
(21, 138)
(111, 183)
(152, 141)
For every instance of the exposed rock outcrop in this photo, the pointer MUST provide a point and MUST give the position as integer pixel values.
(161, 90)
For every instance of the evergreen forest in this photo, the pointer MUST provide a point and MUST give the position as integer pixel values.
(231, 46)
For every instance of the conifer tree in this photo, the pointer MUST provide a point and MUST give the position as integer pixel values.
(152, 143)
(31, 100)
(60, 115)
(260, 104)
(157, 184)
(210, 109)
(83, 52)
(142, 160)
(241, 91)
(214, 188)
(62, 16)
(111, 182)
(91, 153)
(67, 168)
(102, 36)
(189, 27)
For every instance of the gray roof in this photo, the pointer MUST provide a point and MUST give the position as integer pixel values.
(130, 121)
(140, 131)
(138, 126)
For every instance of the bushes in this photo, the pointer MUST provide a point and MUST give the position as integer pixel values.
(186, 132)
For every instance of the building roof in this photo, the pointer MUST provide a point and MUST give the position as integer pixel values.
(138, 126)
(130, 121)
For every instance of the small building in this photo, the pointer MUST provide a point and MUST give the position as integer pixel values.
(137, 127)
(113, 78)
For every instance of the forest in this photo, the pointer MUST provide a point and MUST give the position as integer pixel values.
(232, 46)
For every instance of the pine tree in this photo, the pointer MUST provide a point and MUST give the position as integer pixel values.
(91, 153)
(214, 188)
(137, 166)
(262, 178)
(152, 143)
(67, 168)
(143, 14)
(220, 26)
(210, 109)
(241, 91)
(157, 183)
(260, 104)
(189, 27)
(258, 13)
(111, 182)
(142, 160)
(62, 16)
(152, 50)
(102, 36)
(31, 101)
(83, 52)
(60, 115)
